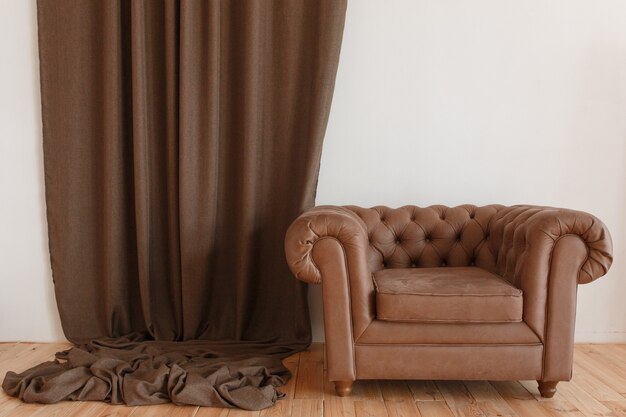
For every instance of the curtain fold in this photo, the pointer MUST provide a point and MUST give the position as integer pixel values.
(180, 140)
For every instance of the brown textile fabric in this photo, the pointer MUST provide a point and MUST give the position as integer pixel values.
(180, 140)
(135, 372)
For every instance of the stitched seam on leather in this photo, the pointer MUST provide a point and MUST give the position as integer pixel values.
(507, 222)
(463, 247)
(368, 229)
(423, 230)
(395, 238)
(371, 245)
(405, 227)
(505, 281)
(436, 251)
(381, 214)
(420, 226)
(460, 345)
(399, 247)
(451, 226)
(426, 294)
(468, 212)
(383, 318)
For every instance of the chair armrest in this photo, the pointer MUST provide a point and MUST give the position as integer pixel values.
(527, 234)
(320, 223)
(329, 245)
(547, 252)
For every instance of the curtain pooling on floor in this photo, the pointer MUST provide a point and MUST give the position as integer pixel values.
(132, 371)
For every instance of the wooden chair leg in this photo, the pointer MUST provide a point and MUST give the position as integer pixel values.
(547, 389)
(343, 388)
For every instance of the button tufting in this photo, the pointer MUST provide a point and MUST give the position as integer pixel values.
(472, 215)
(413, 264)
(444, 263)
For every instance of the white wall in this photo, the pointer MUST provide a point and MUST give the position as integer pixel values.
(27, 307)
(489, 101)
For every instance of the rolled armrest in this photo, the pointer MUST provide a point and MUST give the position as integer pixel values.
(319, 223)
(521, 232)
(329, 245)
(546, 252)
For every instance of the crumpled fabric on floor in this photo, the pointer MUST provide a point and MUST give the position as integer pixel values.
(132, 372)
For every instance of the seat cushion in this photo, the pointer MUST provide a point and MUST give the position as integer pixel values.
(446, 295)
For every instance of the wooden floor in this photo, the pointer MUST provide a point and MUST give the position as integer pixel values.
(597, 389)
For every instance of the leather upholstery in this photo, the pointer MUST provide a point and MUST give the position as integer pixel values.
(435, 236)
(544, 252)
(404, 333)
(452, 362)
(348, 230)
(446, 295)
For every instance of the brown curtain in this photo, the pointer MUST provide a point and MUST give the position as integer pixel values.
(180, 140)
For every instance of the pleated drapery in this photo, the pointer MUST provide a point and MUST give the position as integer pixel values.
(180, 140)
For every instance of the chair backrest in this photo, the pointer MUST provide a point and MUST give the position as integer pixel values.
(435, 236)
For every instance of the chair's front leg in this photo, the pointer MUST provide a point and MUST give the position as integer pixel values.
(547, 389)
(343, 388)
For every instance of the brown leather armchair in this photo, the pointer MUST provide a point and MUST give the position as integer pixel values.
(462, 293)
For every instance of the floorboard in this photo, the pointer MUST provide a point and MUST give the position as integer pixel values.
(598, 388)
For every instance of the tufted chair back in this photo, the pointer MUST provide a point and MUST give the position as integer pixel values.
(435, 236)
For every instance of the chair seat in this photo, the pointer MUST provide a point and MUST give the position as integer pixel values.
(446, 295)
